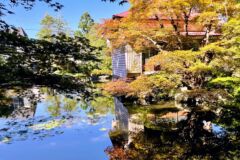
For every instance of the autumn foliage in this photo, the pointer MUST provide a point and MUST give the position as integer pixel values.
(144, 86)
(116, 153)
(188, 56)
(168, 25)
(117, 88)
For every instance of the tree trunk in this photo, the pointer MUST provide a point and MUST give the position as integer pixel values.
(175, 26)
(186, 20)
(225, 7)
(153, 42)
(207, 36)
(186, 26)
(176, 29)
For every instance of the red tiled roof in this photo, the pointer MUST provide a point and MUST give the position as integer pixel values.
(121, 15)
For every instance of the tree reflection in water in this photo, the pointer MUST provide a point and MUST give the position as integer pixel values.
(37, 113)
(160, 133)
(138, 133)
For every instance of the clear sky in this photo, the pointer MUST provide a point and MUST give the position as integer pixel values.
(73, 9)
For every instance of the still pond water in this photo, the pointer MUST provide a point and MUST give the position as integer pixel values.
(42, 124)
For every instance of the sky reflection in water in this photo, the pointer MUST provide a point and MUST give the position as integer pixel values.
(61, 129)
(44, 124)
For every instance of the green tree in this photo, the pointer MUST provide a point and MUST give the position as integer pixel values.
(85, 24)
(45, 61)
(46, 31)
(105, 66)
(67, 60)
(52, 26)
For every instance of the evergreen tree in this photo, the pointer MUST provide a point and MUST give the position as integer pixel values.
(85, 24)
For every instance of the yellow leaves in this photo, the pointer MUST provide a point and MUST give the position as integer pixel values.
(152, 62)
(141, 84)
(222, 58)
(199, 68)
(101, 72)
(135, 30)
(208, 17)
(211, 11)
(232, 28)
(165, 81)
(213, 48)
(175, 62)
(146, 84)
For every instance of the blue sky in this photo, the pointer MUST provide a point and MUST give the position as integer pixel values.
(71, 12)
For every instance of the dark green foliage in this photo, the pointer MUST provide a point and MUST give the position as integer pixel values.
(33, 61)
(56, 60)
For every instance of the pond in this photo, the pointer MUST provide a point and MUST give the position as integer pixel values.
(42, 123)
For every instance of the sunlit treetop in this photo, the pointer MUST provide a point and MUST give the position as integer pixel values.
(161, 24)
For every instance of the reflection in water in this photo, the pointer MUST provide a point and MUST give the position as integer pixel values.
(167, 132)
(39, 118)
(18, 107)
(35, 115)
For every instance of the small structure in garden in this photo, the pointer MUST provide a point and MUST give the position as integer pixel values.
(127, 63)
